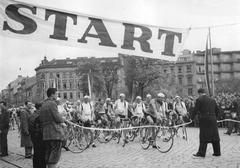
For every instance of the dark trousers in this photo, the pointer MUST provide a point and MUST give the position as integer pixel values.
(38, 153)
(232, 125)
(28, 151)
(3, 142)
(203, 148)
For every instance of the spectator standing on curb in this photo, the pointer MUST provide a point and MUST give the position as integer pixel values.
(4, 127)
(24, 129)
(53, 128)
(37, 139)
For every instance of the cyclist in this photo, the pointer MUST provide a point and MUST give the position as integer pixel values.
(138, 111)
(108, 107)
(180, 108)
(87, 115)
(147, 101)
(156, 113)
(121, 112)
(99, 111)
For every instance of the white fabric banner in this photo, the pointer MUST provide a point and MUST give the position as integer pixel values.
(32, 22)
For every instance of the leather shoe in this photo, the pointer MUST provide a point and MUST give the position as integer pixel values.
(198, 156)
(3, 155)
(216, 154)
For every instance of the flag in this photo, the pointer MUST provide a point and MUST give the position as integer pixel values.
(89, 86)
(206, 67)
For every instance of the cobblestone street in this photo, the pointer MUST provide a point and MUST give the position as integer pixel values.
(113, 155)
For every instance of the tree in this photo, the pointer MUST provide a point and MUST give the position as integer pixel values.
(140, 73)
(91, 67)
(110, 77)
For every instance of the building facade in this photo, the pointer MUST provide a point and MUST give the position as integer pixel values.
(183, 77)
(62, 74)
(226, 66)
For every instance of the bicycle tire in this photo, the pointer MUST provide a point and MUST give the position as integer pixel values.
(76, 143)
(104, 136)
(133, 134)
(119, 136)
(145, 143)
(166, 138)
(185, 132)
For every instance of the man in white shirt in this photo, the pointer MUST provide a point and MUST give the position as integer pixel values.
(87, 115)
(139, 108)
(121, 112)
(138, 111)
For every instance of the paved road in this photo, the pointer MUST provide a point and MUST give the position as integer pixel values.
(112, 155)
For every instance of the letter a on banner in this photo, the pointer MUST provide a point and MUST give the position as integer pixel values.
(32, 22)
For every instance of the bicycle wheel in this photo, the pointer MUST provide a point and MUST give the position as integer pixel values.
(164, 140)
(119, 134)
(145, 143)
(104, 136)
(76, 143)
(132, 134)
(182, 132)
(83, 142)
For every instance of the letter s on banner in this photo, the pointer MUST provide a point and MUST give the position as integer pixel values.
(32, 22)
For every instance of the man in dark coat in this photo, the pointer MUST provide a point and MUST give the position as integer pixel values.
(35, 130)
(238, 112)
(4, 126)
(24, 128)
(208, 111)
(53, 132)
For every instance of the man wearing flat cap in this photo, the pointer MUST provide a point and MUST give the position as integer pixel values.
(208, 112)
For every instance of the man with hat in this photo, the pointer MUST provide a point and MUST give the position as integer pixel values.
(138, 112)
(4, 127)
(121, 112)
(156, 112)
(208, 111)
(87, 116)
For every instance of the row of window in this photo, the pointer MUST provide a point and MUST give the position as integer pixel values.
(189, 92)
(68, 95)
(180, 69)
(63, 75)
(189, 80)
(64, 84)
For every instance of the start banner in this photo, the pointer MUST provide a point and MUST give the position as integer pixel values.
(34, 22)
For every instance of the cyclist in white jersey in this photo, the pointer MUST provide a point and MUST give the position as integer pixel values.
(87, 114)
(121, 112)
(138, 111)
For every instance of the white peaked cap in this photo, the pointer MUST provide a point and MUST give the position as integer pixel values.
(160, 95)
(138, 97)
(122, 95)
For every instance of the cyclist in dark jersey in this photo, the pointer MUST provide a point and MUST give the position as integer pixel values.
(156, 112)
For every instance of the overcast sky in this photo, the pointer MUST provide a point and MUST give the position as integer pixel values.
(16, 53)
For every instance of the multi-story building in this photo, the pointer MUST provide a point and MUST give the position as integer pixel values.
(62, 74)
(13, 90)
(26, 91)
(181, 75)
(226, 65)
(4, 95)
